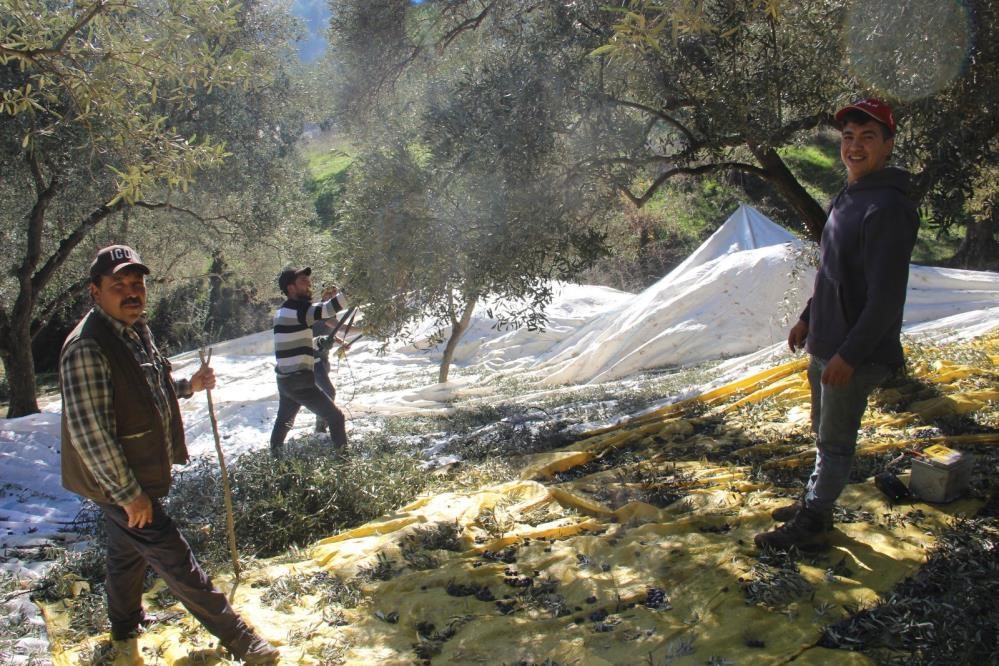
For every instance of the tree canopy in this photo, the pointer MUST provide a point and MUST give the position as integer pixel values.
(461, 195)
(112, 116)
(717, 86)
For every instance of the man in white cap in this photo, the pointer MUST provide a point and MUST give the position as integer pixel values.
(121, 432)
(852, 323)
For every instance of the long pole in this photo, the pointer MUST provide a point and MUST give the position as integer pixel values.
(230, 522)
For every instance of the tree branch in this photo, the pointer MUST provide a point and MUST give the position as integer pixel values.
(67, 245)
(32, 54)
(44, 193)
(44, 312)
(806, 123)
(36, 174)
(640, 201)
(468, 24)
(178, 209)
(670, 120)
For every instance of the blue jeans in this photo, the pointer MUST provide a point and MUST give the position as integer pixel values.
(836, 415)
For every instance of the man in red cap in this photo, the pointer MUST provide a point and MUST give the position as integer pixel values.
(121, 432)
(852, 323)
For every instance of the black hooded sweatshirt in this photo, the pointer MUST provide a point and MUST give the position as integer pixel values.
(856, 306)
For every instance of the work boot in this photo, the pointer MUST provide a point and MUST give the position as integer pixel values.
(808, 531)
(783, 514)
(253, 650)
(126, 653)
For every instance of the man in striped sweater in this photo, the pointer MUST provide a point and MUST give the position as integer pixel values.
(297, 356)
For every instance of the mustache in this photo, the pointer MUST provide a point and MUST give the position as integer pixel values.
(131, 301)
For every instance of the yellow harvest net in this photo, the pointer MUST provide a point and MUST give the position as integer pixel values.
(576, 564)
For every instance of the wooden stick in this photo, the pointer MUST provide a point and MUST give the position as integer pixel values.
(230, 522)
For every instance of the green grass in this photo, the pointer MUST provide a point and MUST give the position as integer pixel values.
(327, 158)
(329, 164)
(328, 161)
(817, 166)
(935, 246)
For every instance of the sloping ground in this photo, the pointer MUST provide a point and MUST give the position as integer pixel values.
(632, 545)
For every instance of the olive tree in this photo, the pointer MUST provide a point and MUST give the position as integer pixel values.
(723, 86)
(462, 194)
(111, 119)
(736, 76)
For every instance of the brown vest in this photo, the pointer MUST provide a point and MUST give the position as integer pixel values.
(138, 424)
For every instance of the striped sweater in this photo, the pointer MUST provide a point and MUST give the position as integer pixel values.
(293, 344)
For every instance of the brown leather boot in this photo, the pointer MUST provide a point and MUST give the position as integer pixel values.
(253, 650)
(783, 514)
(808, 531)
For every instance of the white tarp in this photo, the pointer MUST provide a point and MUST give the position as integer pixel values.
(729, 297)
(735, 295)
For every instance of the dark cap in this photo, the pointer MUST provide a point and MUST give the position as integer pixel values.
(875, 108)
(289, 275)
(113, 258)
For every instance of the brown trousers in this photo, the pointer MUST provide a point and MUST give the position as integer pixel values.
(160, 545)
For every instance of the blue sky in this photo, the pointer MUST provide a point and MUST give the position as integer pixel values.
(316, 15)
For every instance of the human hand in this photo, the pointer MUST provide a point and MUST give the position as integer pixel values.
(837, 372)
(139, 511)
(329, 293)
(796, 338)
(204, 378)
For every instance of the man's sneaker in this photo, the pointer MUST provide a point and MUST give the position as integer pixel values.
(807, 531)
(253, 650)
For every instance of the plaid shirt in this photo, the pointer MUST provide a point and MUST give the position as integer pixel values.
(88, 403)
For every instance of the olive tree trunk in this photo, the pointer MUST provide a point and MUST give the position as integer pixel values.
(458, 327)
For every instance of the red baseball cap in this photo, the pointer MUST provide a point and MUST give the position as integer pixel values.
(875, 108)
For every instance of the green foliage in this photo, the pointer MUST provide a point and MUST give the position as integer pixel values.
(667, 89)
(170, 128)
(817, 165)
(646, 243)
(936, 245)
(308, 494)
(287, 591)
(462, 191)
(119, 75)
(942, 614)
(63, 578)
(187, 316)
(774, 581)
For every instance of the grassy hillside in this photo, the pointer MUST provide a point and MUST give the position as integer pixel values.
(328, 160)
